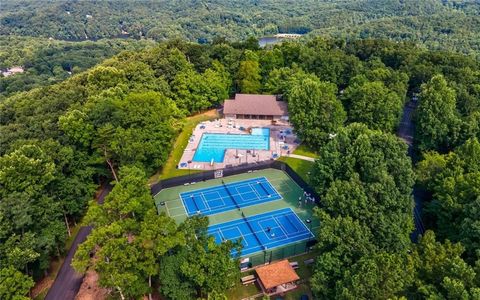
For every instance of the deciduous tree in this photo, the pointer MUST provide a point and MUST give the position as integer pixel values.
(14, 285)
(315, 110)
(437, 123)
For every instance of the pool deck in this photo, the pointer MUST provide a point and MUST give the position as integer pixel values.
(234, 157)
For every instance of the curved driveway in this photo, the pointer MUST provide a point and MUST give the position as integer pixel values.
(68, 282)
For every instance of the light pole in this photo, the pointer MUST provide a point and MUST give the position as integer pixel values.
(189, 162)
(309, 222)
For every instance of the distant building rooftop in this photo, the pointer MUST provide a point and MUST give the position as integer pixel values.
(12, 71)
(253, 104)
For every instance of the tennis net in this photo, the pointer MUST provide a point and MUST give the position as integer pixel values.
(230, 195)
(251, 229)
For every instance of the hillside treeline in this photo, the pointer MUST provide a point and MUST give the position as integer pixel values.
(444, 25)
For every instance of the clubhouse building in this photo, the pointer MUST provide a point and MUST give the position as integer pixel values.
(257, 107)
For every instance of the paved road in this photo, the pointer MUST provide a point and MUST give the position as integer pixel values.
(406, 131)
(406, 128)
(68, 282)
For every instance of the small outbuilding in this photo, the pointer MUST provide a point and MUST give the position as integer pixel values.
(253, 106)
(277, 278)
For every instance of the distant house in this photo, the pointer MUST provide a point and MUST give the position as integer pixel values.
(12, 71)
(252, 106)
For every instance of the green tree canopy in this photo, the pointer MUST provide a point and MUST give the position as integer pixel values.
(248, 76)
(379, 276)
(341, 242)
(441, 271)
(364, 178)
(30, 218)
(437, 123)
(128, 238)
(373, 104)
(201, 267)
(453, 179)
(314, 110)
(14, 285)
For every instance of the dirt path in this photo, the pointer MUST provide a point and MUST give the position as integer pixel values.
(68, 282)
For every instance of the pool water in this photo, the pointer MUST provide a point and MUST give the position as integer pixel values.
(214, 145)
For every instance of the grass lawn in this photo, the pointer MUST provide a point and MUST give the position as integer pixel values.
(300, 166)
(240, 291)
(305, 151)
(303, 289)
(70, 239)
(170, 170)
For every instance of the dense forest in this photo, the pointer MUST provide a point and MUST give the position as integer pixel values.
(48, 61)
(446, 25)
(34, 36)
(117, 122)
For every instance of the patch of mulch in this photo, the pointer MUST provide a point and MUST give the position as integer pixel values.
(41, 285)
(89, 290)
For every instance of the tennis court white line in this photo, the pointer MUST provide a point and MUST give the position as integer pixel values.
(178, 215)
(255, 191)
(290, 223)
(225, 208)
(221, 234)
(274, 189)
(221, 186)
(204, 201)
(281, 227)
(216, 207)
(166, 207)
(183, 204)
(263, 245)
(263, 219)
(264, 228)
(211, 192)
(243, 185)
(233, 184)
(243, 237)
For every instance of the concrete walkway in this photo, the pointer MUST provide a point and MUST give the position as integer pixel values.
(302, 157)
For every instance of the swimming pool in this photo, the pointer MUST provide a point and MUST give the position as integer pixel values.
(213, 145)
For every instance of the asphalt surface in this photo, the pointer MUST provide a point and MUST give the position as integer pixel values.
(406, 130)
(68, 282)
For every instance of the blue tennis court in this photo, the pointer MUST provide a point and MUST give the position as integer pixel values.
(221, 198)
(264, 231)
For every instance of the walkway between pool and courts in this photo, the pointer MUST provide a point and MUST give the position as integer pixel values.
(301, 157)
